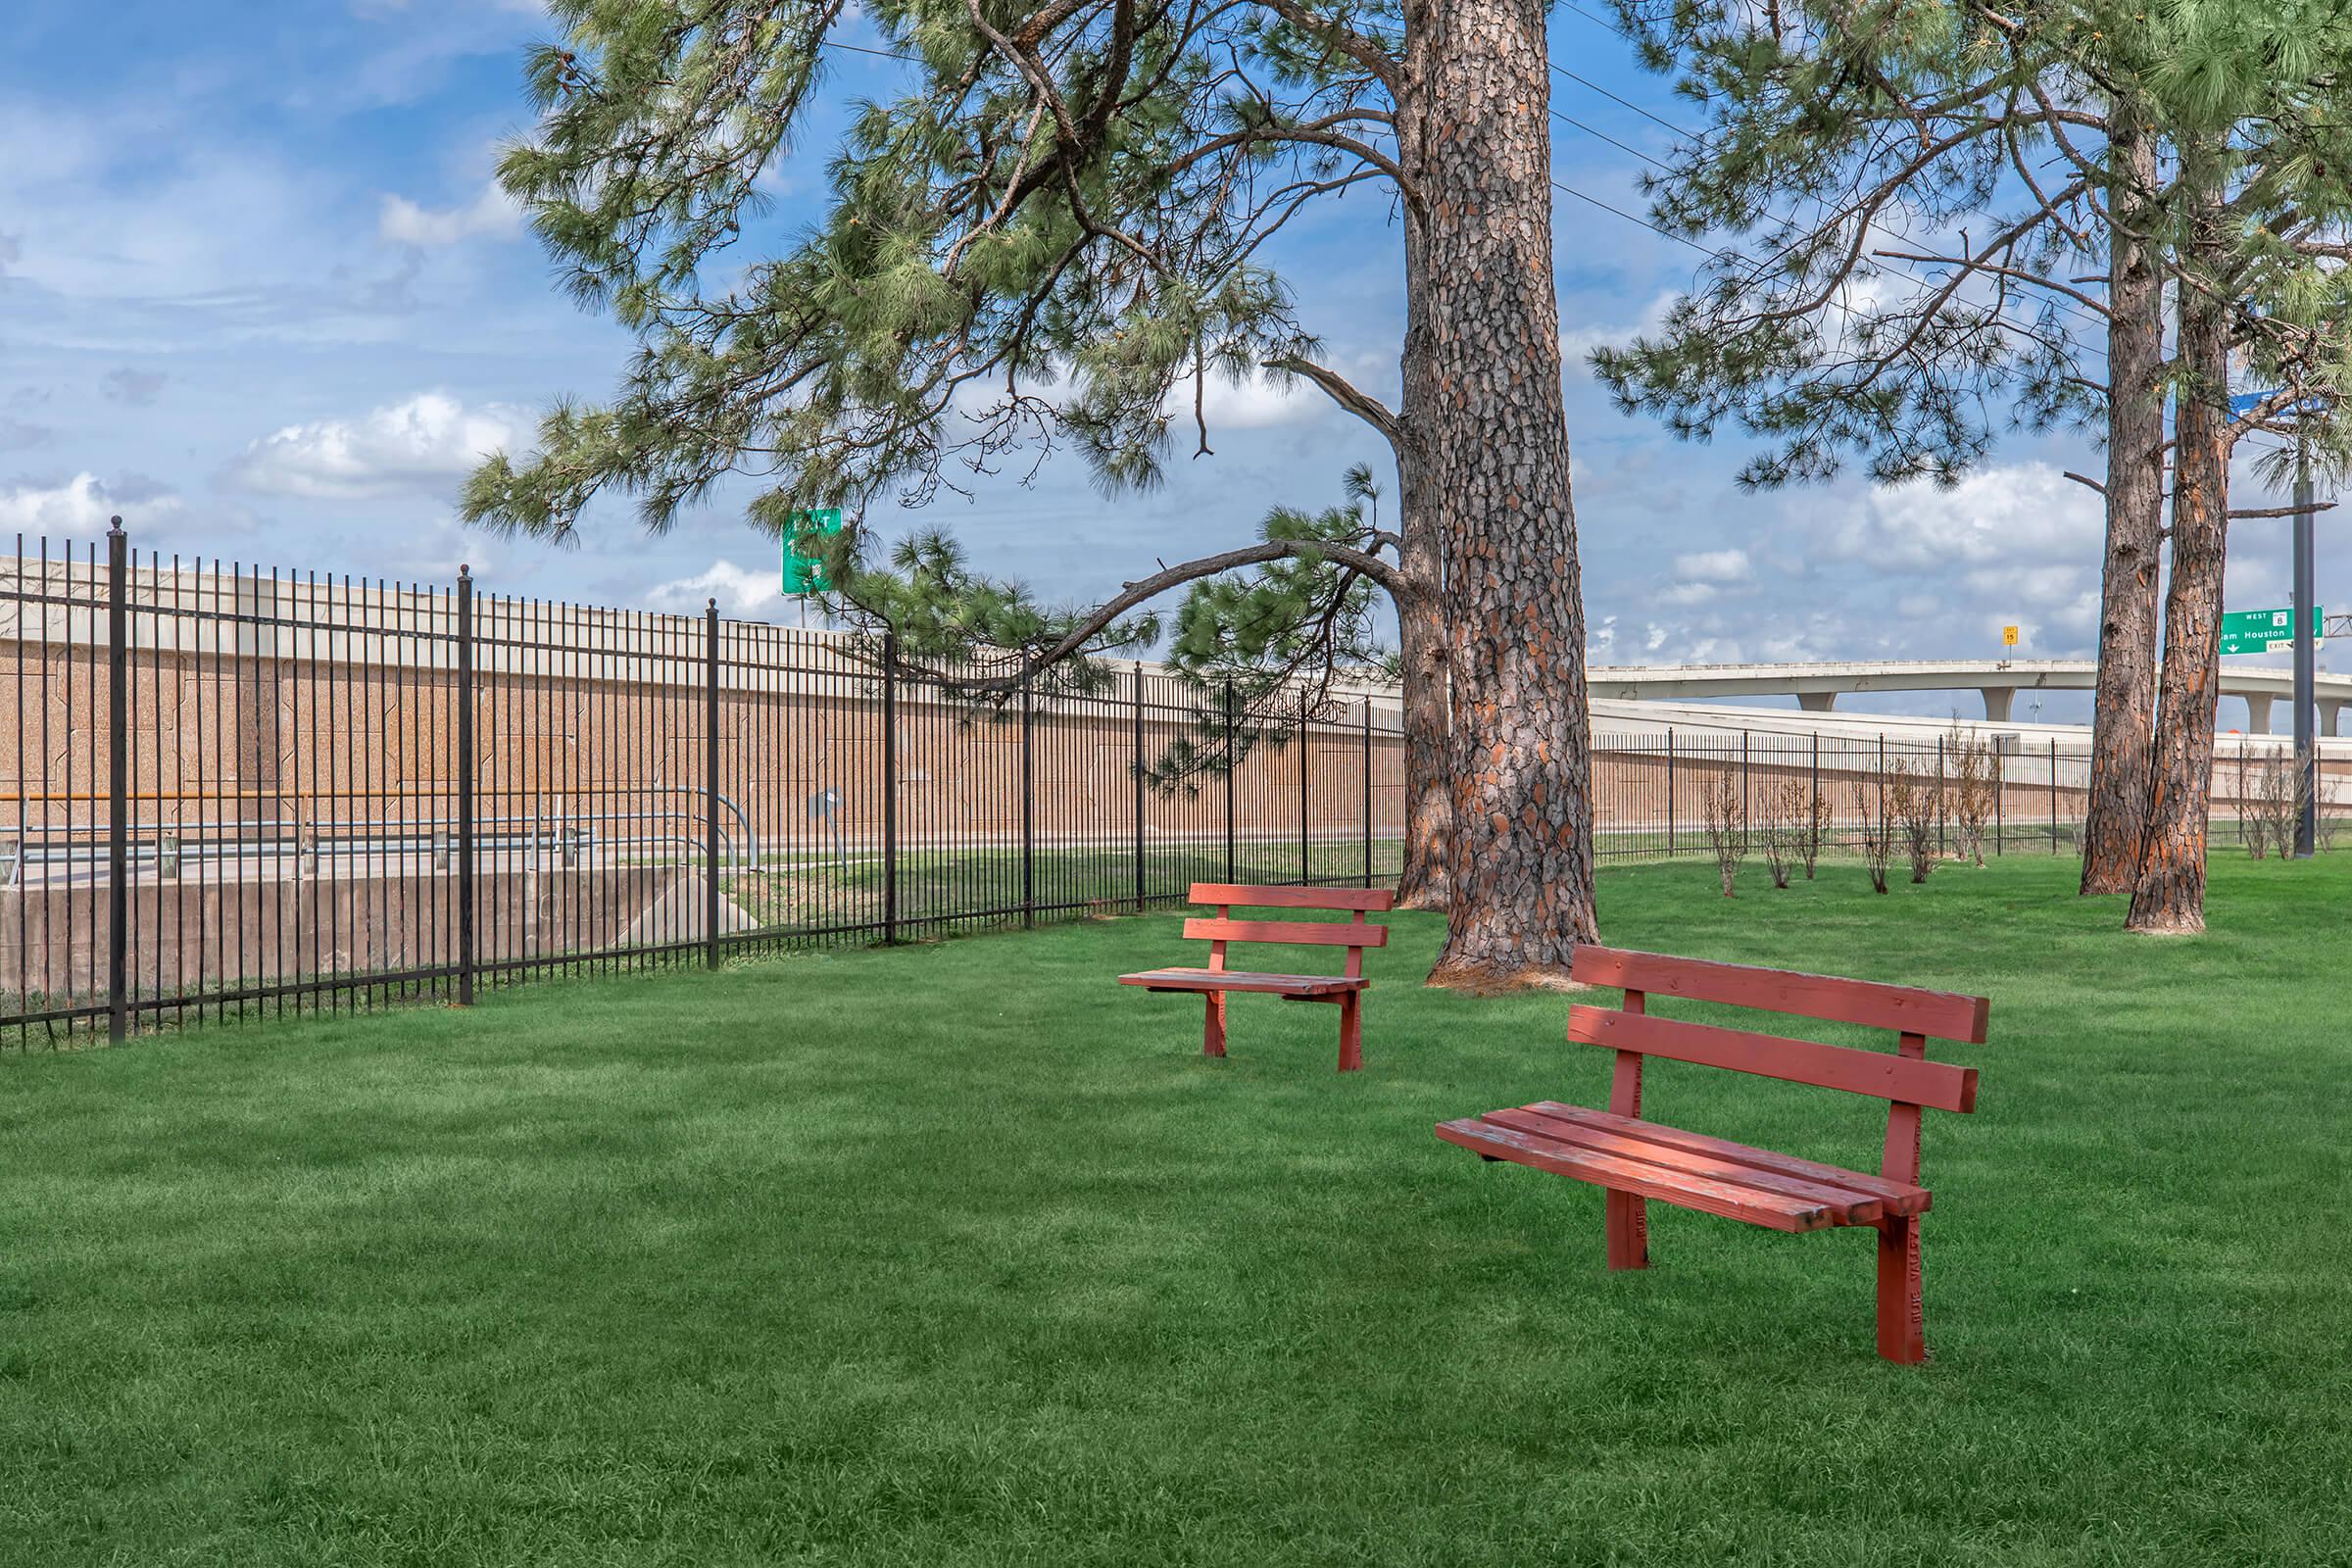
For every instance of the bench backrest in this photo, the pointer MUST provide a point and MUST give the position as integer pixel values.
(1355, 935)
(1906, 1080)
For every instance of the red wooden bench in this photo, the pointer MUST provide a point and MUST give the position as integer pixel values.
(1216, 981)
(1638, 1160)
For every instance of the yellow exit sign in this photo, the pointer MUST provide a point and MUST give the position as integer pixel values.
(2008, 636)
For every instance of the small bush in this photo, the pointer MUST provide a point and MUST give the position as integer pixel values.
(1916, 799)
(1878, 831)
(1726, 817)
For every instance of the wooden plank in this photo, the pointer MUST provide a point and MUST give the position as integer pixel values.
(1899, 1198)
(1312, 933)
(1936, 1084)
(1297, 985)
(1944, 1014)
(1731, 1199)
(1267, 898)
(1851, 1205)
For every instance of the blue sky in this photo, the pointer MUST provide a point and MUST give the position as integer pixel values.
(259, 295)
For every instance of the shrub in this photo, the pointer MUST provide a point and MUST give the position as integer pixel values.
(1878, 831)
(1726, 817)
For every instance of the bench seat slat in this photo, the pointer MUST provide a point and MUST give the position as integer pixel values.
(1731, 1199)
(1938, 1014)
(1899, 1198)
(1243, 896)
(1311, 933)
(1855, 1207)
(1288, 985)
(1908, 1079)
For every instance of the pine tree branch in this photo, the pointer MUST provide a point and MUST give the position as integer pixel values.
(1354, 45)
(1073, 641)
(2281, 512)
(1361, 403)
(2020, 274)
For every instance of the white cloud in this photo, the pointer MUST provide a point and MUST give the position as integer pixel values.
(2000, 517)
(1255, 402)
(742, 593)
(1713, 565)
(1687, 593)
(1577, 343)
(81, 505)
(492, 214)
(423, 446)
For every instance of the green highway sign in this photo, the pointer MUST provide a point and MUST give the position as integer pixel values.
(803, 560)
(2266, 631)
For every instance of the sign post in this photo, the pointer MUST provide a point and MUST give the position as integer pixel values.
(2307, 640)
(2306, 623)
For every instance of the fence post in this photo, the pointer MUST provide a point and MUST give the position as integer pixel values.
(118, 796)
(1367, 789)
(2053, 795)
(890, 787)
(1942, 845)
(1231, 763)
(1747, 790)
(1303, 877)
(1813, 803)
(711, 784)
(2241, 790)
(2001, 787)
(1139, 787)
(465, 955)
(1028, 810)
(1670, 845)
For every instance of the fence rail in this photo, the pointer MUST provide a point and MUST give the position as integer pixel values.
(239, 792)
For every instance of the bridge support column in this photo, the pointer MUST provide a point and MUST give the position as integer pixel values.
(2332, 718)
(1998, 701)
(1816, 701)
(2258, 714)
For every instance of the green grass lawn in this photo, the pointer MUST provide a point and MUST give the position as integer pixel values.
(964, 1254)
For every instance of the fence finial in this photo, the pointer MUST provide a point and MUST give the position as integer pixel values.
(113, 526)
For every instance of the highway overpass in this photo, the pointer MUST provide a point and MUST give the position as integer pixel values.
(1817, 687)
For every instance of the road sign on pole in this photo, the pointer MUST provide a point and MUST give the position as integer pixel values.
(2008, 636)
(2263, 631)
(2308, 620)
(804, 552)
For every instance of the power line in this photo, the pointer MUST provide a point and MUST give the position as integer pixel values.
(1698, 142)
(1565, 119)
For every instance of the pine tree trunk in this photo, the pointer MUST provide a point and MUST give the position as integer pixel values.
(1426, 880)
(1483, 404)
(2168, 894)
(2123, 716)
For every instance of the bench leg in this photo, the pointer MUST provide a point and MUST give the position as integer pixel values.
(1212, 1033)
(1628, 1218)
(1902, 1321)
(1351, 1033)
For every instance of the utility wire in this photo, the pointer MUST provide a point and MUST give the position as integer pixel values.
(1613, 210)
(1698, 142)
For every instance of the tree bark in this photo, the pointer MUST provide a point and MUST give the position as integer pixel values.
(2169, 892)
(1483, 404)
(1426, 879)
(2124, 711)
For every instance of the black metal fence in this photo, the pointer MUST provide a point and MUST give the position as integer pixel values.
(239, 792)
